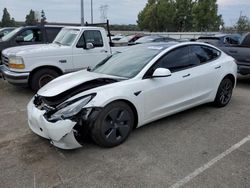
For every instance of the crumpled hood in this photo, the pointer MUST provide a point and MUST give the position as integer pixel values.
(37, 50)
(72, 80)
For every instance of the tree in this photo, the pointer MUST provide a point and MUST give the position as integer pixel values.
(205, 15)
(7, 21)
(31, 19)
(43, 17)
(183, 15)
(144, 15)
(243, 24)
(180, 15)
(157, 16)
(165, 18)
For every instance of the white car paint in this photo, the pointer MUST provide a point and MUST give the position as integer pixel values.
(159, 97)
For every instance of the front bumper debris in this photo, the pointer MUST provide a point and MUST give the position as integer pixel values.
(60, 133)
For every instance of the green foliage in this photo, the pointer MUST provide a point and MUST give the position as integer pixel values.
(7, 21)
(243, 24)
(30, 18)
(129, 27)
(205, 15)
(180, 15)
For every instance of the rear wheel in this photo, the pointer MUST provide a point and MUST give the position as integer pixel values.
(113, 125)
(42, 77)
(224, 93)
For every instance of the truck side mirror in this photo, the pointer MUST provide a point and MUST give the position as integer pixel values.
(19, 39)
(89, 46)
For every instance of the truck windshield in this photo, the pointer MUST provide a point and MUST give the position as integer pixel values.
(66, 37)
(11, 34)
(128, 63)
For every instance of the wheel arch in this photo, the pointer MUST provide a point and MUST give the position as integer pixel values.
(232, 78)
(58, 70)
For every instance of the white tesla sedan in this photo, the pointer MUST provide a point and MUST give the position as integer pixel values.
(130, 89)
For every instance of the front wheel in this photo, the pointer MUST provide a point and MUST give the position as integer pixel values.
(113, 125)
(224, 93)
(42, 77)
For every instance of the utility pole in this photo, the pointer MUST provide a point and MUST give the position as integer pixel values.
(92, 11)
(82, 12)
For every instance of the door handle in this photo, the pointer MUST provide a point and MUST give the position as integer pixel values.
(187, 75)
(63, 61)
(218, 67)
(104, 51)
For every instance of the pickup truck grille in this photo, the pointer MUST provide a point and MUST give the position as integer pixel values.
(5, 60)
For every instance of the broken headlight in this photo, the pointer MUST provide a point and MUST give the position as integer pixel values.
(71, 108)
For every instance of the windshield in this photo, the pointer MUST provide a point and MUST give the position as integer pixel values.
(128, 63)
(66, 36)
(11, 34)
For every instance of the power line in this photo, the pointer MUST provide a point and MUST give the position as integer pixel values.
(103, 12)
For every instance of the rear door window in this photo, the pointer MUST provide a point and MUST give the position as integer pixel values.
(202, 54)
(52, 33)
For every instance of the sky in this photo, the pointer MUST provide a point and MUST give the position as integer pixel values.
(118, 12)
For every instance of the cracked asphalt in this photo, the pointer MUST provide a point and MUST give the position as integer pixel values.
(160, 154)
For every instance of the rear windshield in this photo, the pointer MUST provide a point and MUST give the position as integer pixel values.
(213, 41)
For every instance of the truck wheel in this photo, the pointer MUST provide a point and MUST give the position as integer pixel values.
(42, 77)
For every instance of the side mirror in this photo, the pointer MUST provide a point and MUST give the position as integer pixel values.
(161, 72)
(19, 39)
(89, 46)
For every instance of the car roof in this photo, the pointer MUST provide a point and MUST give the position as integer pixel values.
(218, 36)
(158, 45)
(153, 36)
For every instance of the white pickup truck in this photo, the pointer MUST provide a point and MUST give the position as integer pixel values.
(73, 49)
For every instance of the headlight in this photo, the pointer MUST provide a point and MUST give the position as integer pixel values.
(16, 63)
(71, 108)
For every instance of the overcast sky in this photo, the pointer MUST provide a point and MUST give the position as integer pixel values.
(119, 11)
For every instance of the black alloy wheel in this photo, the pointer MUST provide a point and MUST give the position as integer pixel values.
(113, 125)
(224, 93)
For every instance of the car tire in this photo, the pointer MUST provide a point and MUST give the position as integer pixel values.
(113, 125)
(224, 93)
(42, 77)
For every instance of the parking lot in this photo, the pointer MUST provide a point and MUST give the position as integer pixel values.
(201, 147)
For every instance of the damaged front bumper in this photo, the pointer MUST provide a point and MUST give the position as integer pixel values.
(61, 133)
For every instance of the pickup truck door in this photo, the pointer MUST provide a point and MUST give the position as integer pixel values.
(240, 53)
(84, 58)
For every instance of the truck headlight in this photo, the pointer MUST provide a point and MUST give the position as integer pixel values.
(16, 63)
(71, 108)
